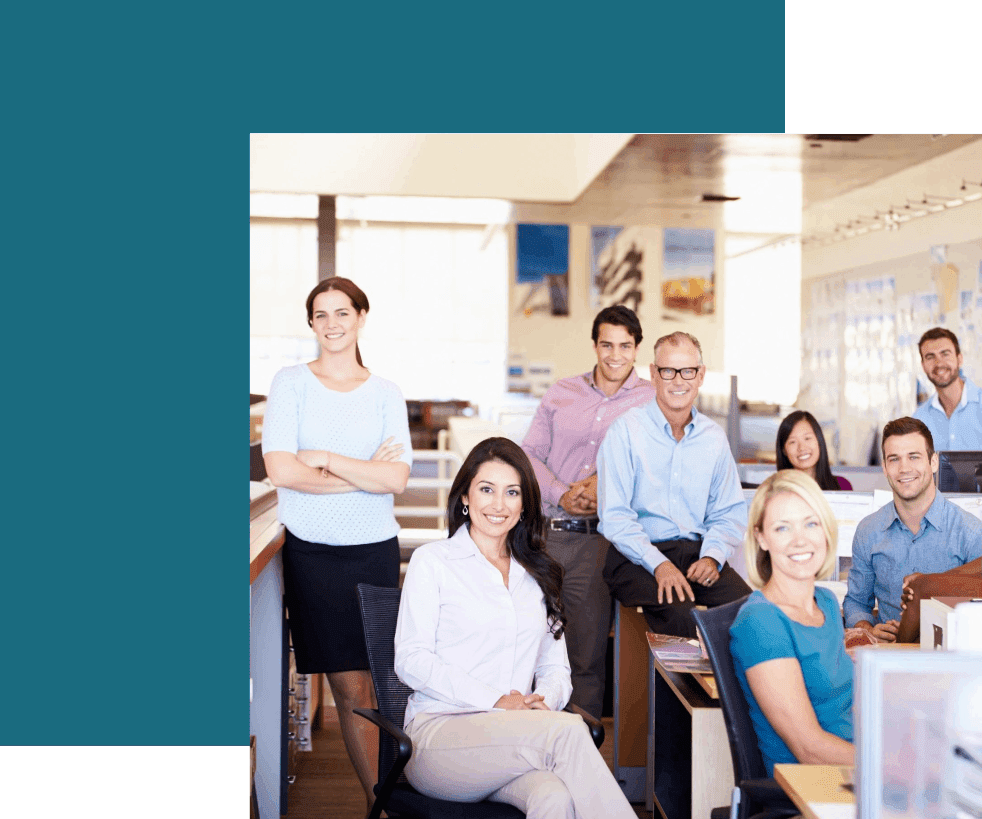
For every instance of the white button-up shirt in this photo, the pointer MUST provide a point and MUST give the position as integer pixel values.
(463, 639)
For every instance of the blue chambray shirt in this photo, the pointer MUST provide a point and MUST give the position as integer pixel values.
(964, 429)
(884, 552)
(651, 487)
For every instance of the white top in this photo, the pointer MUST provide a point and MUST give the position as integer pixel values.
(301, 413)
(463, 640)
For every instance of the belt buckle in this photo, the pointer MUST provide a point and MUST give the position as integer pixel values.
(553, 527)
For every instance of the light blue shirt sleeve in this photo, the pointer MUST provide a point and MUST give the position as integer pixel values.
(619, 521)
(726, 512)
(395, 421)
(858, 603)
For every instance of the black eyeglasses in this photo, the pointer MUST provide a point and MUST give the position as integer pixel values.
(687, 373)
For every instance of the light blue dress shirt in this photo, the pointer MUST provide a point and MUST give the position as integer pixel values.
(963, 431)
(884, 552)
(651, 487)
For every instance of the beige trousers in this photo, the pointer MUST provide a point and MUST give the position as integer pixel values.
(542, 762)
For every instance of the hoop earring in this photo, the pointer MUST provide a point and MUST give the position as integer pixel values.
(465, 510)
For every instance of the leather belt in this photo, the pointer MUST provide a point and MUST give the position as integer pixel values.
(583, 526)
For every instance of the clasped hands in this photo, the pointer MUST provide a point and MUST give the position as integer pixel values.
(887, 632)
(581, 497)
(517, 701)
(704, 571)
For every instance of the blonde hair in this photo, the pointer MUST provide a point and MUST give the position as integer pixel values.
(797, 483)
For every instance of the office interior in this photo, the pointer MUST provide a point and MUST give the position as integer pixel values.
(830, 254)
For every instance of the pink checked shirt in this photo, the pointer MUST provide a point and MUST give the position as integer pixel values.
(569, 427)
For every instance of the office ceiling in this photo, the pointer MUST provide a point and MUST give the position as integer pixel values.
(788, 185)
(539, 167)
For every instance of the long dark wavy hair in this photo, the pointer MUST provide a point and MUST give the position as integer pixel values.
(823, 471)
(527, 540)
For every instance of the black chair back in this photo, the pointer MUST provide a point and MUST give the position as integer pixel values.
(379, 612)
(714, 624)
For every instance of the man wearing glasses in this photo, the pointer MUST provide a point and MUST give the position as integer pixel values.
(670, 499)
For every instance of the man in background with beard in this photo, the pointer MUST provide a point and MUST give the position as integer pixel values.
(954, 413)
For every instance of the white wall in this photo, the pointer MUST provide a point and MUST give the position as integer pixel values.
(869, 338)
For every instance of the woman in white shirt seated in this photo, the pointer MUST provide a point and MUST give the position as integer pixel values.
(480, 642)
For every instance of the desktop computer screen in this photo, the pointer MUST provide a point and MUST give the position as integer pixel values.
(960, 471)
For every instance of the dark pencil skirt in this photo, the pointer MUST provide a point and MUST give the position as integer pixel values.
(322, 603)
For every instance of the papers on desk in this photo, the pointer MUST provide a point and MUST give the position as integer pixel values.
(679, 654)
(972, 505)
(833, 810)
(849, 508)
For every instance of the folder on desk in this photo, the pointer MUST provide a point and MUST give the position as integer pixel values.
(679, 654)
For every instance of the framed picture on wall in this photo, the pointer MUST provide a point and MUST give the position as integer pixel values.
(617, 267)
(689, 270)
(543, 265)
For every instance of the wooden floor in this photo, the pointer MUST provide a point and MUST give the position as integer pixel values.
(327, 788)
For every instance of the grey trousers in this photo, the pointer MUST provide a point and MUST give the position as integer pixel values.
(542, 762)
(587, 603)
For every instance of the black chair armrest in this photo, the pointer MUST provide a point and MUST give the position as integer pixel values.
(767, 794)
(596, 727)
(384, 789)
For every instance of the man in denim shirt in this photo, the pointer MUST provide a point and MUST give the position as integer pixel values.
(920, 531)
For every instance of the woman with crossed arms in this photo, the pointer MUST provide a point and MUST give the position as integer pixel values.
(336, 445)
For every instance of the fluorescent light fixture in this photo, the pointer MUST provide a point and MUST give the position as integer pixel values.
(972, 197)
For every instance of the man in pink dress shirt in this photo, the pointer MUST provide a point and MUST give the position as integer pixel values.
(562, 445)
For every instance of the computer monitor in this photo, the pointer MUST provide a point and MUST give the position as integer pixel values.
(960, 471)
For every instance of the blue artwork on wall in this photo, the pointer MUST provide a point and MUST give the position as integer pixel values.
(543, 262)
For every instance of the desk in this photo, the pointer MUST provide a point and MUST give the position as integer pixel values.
(817, 791)
(689, 767)
(267, 656)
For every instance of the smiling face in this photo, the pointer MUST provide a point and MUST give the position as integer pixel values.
(616, 352)
(802, 447)
(908, 469)
(335, 321)
(940, 362)
(678, 395)
(791, 532)
(495, 501)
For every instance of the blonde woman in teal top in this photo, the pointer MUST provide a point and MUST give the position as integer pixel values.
(787, 641)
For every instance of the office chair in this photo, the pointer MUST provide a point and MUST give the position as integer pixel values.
(393, 793)
(754, 793)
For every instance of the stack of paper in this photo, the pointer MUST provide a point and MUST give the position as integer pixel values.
(679, 654)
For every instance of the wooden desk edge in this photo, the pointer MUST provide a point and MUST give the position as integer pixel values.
(791, 788)
(266, 542)
(690, 692)
(793, 795)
